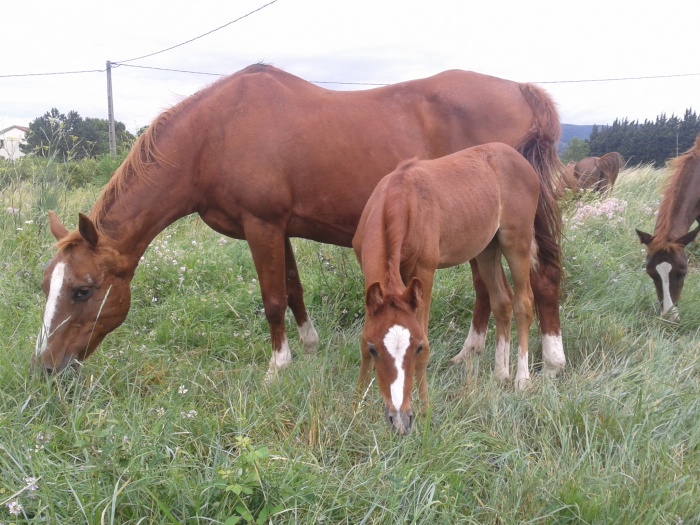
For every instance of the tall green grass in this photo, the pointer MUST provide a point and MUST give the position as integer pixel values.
(170, 421)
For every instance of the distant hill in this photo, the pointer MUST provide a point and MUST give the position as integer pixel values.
(569, 131)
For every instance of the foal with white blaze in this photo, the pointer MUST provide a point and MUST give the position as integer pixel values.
(479, 203)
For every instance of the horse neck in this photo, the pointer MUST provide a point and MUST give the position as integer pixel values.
(132, 216)
(381, 251)
(680, 205)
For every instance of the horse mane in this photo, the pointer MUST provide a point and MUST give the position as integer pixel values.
(395, 219)
(673, 189)
(144, 154)
(538, 146)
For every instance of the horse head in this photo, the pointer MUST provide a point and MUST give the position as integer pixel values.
(667, 265)
(87, 295)
(393, 337)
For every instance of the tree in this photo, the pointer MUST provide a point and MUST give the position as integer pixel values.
(70, 137)
(653, 141)
(576, 150)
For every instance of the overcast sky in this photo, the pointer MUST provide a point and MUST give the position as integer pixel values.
(363, 41)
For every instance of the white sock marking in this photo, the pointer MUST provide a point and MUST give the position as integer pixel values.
(522, 376)
(664, 270)
(309, 336)
(278, 360)
(396, 341)
(55, 289)
(474, 344)
(553, 355)
(502, 367)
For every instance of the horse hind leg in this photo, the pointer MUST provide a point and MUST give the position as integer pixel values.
(500, 295)
(476, 338)
(295, 300)
(519, 262)
(545, 281)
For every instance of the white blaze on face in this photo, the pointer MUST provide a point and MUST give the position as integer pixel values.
(396, 341)
(55, 289)
(664, 270)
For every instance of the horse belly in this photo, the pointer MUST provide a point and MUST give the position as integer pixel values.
(465, 237)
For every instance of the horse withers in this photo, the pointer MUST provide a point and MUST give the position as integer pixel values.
(479, 203)
(265, 156)
(666, 261)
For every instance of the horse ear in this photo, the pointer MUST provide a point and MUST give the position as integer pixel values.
(374, 298)
(644, 238)
(414, 293)
(57, 229)
(87, 230)
(689, 237)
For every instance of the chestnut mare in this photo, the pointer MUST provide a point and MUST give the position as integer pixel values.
(263, 156)
(666, 260)
(479, 203)
(596, 173)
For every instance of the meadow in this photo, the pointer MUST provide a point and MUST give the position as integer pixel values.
(170, 422)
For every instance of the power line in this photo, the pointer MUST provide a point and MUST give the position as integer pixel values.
(172, 70)
(197, 37)
(616, 79)
(54, 73)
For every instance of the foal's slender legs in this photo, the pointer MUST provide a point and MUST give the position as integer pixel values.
(517, 253)
(427, 279)
(295, 300)
(491, 271)
(476, 339)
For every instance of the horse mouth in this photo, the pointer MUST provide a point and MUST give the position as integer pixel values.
(400, 421)
(67, 362)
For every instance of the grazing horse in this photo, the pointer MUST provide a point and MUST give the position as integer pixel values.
(264, 156)
(667, 263)
(479, 203)
(596, 173)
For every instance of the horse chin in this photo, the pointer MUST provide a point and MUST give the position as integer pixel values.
(399, 421)
(68, 362)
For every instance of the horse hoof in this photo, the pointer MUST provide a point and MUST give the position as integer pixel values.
(459, 358)
(502, 376)
(523, 384)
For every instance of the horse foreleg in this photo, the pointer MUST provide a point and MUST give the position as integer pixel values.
(476, 338)
(295, 300)
(545, 286)
(421, 372)
(267, 246)
(366, 367)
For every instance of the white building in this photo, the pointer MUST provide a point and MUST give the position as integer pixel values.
(10, 139)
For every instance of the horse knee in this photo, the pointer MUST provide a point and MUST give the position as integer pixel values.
(274, 310)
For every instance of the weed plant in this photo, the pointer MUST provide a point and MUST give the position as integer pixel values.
(170, 421)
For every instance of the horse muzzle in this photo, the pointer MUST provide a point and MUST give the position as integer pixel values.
(399, 421)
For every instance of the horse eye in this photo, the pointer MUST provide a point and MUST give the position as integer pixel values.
(372, 349)
(420, 347)
(81, 294)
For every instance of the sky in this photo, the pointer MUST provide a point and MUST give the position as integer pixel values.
(348, 44)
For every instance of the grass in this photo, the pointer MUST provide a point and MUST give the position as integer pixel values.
(170, 421)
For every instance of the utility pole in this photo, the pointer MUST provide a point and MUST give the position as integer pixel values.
(110, 112)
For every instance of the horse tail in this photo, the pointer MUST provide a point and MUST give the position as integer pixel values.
(539, 147)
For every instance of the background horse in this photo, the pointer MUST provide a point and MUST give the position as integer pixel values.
(477, 203)
(263, 156)
(667, 263)
(596, 173)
